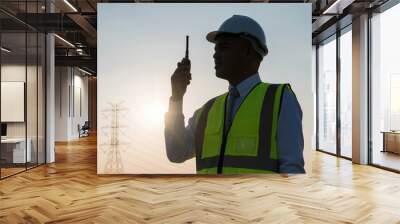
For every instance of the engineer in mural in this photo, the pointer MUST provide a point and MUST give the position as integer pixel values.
(255, 127)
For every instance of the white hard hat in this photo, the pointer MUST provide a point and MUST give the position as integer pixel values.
(247, 27)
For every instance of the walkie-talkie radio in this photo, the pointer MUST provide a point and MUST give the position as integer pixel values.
(187, 47)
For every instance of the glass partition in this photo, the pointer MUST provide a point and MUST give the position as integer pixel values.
(22, 88)
(31, 100)
(13, 105)
(41, 91)
(33, 64)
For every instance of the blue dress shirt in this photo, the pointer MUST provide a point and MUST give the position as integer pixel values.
(179, 139)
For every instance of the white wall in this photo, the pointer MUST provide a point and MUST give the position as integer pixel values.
(138, 52)
(79, 115)
(69, 84)
(12, 73)
(33, 127)
(61, 103)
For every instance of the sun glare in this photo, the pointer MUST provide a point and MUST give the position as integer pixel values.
(154, 112)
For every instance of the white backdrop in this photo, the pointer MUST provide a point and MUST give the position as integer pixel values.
(138, 48)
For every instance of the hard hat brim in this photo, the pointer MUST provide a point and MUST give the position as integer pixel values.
(212, 35)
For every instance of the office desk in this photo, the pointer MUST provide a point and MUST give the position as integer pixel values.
(391, 141)
(15, 148)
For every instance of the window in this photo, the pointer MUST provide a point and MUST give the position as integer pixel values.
(327, 96)
(394, 102)
(385, 89)
(346, 92)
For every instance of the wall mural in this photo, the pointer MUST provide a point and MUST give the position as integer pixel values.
(138, 58)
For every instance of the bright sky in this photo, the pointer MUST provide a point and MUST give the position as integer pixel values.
(139, 46)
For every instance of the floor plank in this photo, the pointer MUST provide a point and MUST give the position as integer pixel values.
(70, 191)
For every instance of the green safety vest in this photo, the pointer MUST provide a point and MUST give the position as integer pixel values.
(250, 145)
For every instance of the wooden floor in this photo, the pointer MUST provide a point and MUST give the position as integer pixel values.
(10, 171)
(5, 172)
(69, 191)
(387, 159)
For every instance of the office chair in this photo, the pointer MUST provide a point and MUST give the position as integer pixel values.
(84, 130)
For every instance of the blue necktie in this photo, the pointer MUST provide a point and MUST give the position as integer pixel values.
(232, 96)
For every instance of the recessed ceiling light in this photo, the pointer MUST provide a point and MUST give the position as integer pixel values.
(70, 5)
(64, 40)
(84, 71)
(334, 8)
(5, 50)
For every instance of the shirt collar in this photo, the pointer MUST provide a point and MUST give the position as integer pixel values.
(246, 85)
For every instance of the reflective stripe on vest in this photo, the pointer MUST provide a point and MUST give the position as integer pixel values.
(251, 143)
